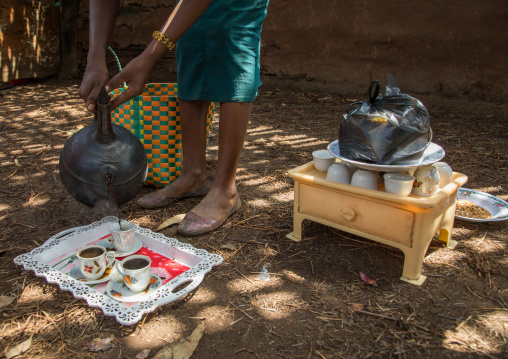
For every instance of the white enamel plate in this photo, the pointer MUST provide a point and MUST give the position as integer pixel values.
(496, 206)
(433, 153)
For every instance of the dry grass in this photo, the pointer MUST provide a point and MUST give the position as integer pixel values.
(315, 304)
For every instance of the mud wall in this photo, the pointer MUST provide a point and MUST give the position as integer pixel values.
(457, 48)
(29, 39)
(453, 47)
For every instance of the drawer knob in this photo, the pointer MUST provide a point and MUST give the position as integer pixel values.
(348, 214)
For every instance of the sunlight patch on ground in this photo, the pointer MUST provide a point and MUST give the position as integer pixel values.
(262, 130)
(216, 317)
(251, 284)
(54, 162)
(52, 158)
(274, 186)
(301, 141)
(309, 144)
(465, 338)
(257, 181)
(245, 178)
(289, 137)
(31, 114)
(259, 162)
(19, 178)
(496, 322)
(259, 152)
(277, 305)
(31, 294)
(203, 295)
(145, 221)
(260, 203)
(284, 197)
(38, 174)
(4, 207)
(36, 200)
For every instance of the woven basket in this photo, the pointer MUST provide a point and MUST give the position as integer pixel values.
(154, 118)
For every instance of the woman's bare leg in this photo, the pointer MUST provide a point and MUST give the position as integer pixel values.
(193, 121)
(233, 123)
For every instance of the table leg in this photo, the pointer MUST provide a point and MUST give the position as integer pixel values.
(445, 230)
(423, 233)
(296, 235)
(413, 263)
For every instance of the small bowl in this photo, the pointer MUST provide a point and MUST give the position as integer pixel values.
(322, 160)
(445, 173)
(365, 179)
(338, 173)
(398, 183)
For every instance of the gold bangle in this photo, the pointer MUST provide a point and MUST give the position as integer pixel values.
(157, 35)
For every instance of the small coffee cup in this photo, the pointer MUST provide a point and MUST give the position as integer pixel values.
(322, 160)
(93, 261)
(123, 235)
(136, 272)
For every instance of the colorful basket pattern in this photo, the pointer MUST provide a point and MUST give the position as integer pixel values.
(154, 118)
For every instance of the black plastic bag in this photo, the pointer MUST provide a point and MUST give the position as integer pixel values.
(384, 129)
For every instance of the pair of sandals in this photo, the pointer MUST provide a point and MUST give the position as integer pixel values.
(192, 224)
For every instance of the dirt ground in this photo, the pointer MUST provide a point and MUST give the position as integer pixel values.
(307, 308)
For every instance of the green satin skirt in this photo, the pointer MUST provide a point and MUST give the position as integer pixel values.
(218, 57)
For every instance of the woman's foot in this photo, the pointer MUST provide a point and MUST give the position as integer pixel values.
(210, 214)
(181, 188)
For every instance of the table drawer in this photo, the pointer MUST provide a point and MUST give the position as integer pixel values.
(381, 220)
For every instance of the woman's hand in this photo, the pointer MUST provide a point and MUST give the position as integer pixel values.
(135, 74)
(96, 75)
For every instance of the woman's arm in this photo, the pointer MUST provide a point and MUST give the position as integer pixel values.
(136, 73)
(102, 20)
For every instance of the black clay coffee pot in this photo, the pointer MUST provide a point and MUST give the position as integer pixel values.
(103, 162)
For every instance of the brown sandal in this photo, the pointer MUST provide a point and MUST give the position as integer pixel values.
(156, 200)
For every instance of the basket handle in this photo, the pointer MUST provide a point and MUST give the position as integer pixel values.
(118, 64)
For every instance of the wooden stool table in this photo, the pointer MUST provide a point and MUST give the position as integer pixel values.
(407, 223)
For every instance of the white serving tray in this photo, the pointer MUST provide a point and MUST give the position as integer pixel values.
(199, 262)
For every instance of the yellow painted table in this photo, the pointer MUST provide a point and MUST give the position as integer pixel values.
(407, 223)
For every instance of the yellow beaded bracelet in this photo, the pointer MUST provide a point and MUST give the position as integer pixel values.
(157, 35)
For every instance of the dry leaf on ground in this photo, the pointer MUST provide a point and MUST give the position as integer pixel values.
(143, 354)
(173, 220)
(357, 306)
(230, 246)
(5, 301)
(99, 344)
(367, 280)
(18, 349)
(183, 348)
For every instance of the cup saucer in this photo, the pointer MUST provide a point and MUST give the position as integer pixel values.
(109, 273)
(108, 244)
(117, 289)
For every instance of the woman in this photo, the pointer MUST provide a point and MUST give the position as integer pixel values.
(217, 50)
